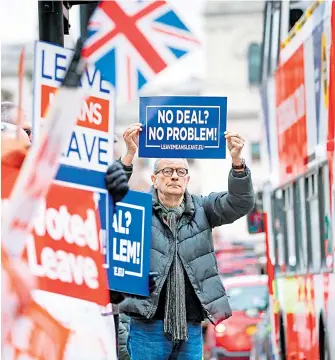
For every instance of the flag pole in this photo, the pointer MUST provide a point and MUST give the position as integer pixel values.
(20, 105)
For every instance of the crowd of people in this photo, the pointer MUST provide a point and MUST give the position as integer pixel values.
(185, 288)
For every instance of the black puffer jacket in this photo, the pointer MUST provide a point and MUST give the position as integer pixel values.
(123, 337)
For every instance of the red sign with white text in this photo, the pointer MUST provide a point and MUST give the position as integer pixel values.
(291, 116)
(64, 249)
(94, 112)
(36, 335)
(331, 110)
(16, 285)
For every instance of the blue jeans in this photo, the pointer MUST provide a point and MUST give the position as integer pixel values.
(147, 341)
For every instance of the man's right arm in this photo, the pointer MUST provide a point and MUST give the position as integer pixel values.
(131, 138)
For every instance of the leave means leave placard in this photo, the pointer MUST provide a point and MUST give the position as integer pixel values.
(183, 127)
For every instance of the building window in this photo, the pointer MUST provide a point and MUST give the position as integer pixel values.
(254, 63)
(6, 95)
(255, 151)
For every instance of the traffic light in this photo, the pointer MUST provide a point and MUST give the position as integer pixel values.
(255, 218)
(54, 20)
(255, 221)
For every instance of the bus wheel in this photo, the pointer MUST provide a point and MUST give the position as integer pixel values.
(282, 342)
(323, 342)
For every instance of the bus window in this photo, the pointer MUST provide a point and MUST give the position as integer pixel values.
(313, 222)
(275, 35)
(279, 230)
(295, 15)
(298, 215)
(325, 218)
(304, 244)
(297, 9)
(289, 215)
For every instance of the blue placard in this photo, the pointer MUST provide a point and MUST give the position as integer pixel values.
(183, 127)
(128, 253)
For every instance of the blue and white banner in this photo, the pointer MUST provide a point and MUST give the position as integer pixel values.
(91, 143)
(128, 252)
(183, 127)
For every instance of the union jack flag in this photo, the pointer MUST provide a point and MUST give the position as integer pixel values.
(131, 42)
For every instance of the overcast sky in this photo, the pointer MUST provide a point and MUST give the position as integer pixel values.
(19, 24)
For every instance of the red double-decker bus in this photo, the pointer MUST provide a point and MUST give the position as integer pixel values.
(298, 99)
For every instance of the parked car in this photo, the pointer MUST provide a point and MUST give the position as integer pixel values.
(237, 260)
(231, 339)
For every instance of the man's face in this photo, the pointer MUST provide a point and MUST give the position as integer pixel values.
(25, 125)
(12, 141)
(28, 130)
(171, 177)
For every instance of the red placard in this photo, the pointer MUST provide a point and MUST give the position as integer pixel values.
(64, 250)
(36, 335)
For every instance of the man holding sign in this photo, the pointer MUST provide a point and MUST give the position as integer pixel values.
(167, 325)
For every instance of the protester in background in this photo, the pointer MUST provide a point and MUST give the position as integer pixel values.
(13, 141)
(17, 282)
(9, 114)
(168, 324)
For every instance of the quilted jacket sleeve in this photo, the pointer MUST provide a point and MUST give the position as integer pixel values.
(128, 169)
(226, 207)
(123, 337)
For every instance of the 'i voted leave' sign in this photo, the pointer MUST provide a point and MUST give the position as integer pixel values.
(183, 127)
(128, 253)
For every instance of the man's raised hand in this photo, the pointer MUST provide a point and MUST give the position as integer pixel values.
(235, 143)
(131, 138)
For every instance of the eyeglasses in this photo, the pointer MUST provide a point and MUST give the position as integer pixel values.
(28, 131)
(13, 127)
(168, 172)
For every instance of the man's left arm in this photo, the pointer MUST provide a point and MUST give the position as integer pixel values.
(226, 207)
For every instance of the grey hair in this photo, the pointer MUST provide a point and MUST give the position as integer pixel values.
(158, 160)
(7, 108)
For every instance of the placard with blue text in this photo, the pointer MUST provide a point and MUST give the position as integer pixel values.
(128, 252)
(91, 144)
(183, 127)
